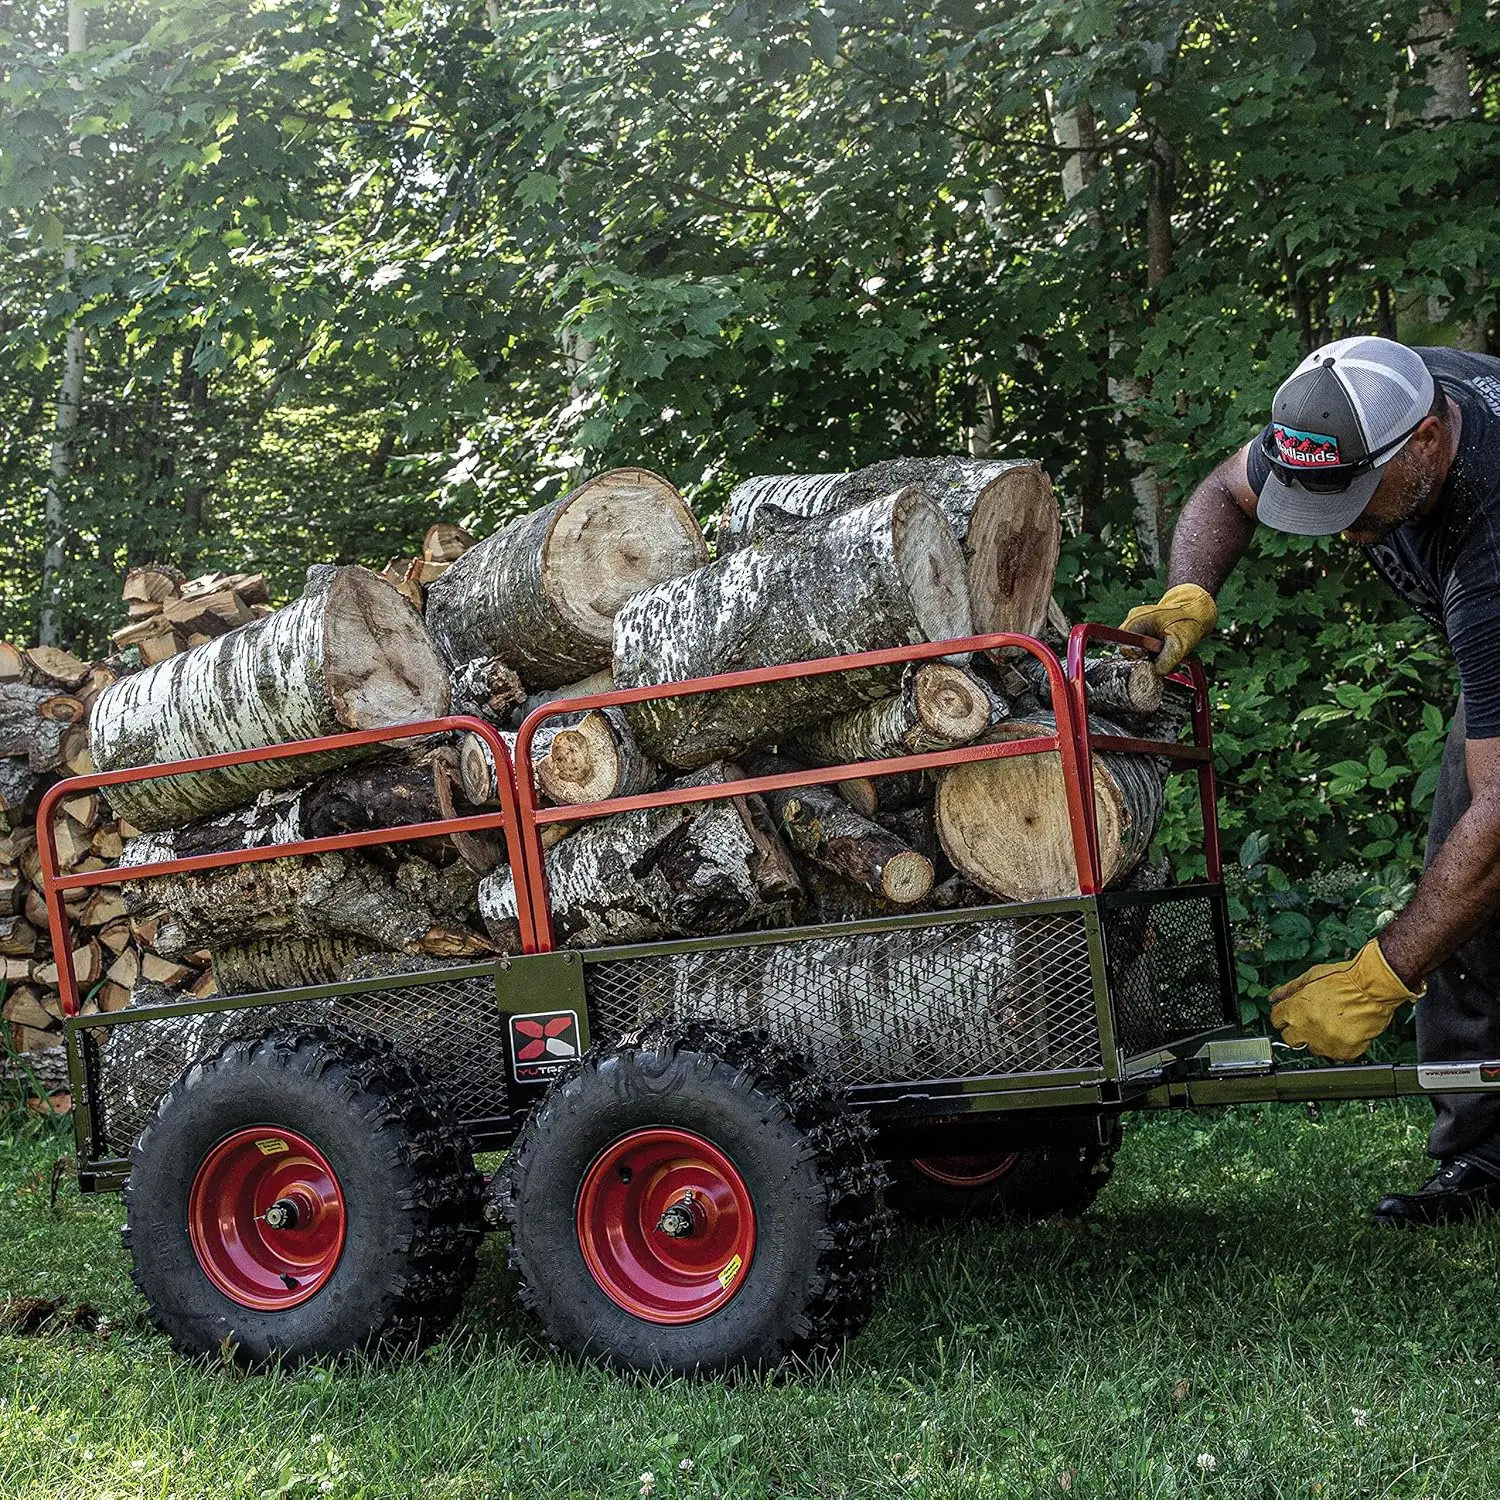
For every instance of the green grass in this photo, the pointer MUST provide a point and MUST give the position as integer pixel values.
(1227, 1298)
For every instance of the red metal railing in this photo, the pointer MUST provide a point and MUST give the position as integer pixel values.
(1198, 755)
(55, 882)
(1071, 743)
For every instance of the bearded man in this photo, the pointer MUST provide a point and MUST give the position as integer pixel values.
(1398, 449)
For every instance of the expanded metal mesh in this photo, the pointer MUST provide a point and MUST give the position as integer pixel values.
(1166, 973)
(452, 1027)
(976, 999)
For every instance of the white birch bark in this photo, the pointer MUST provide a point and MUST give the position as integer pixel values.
(350, 654)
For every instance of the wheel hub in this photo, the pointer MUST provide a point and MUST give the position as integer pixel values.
(266, 1218)
(666, 1225)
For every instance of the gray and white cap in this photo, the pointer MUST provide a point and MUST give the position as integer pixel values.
(1338, 419)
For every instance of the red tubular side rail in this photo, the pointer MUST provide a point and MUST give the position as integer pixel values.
(54, 882)
(1065, 742)
(1199, 754)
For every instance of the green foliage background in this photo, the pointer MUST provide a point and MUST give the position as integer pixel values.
(345, 266)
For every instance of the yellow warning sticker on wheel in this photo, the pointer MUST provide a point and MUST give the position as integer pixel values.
(730, 1271)
(271, 1145)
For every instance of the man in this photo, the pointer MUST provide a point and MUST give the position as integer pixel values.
(1398, 449)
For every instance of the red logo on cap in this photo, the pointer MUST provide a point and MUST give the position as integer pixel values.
(1305, 450)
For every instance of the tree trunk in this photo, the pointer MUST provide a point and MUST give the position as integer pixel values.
(663, 872)
(1004, 823)
(1123, 688)
(822, 827)
(543, 591)
(929, 1002)
(1003, 513)
(884, 574)
(939, 706)
(416, 910)
(350, 654)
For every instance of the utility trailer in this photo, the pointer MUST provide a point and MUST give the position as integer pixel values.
(707, 1138)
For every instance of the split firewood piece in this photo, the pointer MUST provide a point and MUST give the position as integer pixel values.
(18, 937)
(347, 655)
(488, 688)
(11, 662)
(1003, 513)
(72, 843)
(88, 968)
(33, 722)
(23, 1007)
(822, 827)
(1122, 688)
(165, 971)
(112, 997)
(76, 756)
(667, 871)
(115, 935)
(106, 843)
(206, 985)
(1004, 823)
(445, 542)
(886, 574)
(125, 970)
(12, 890)
(50, 666)
(84, 809)
(34, 908)
(155, 582)
(939, 706)
(208, 614)
(543, 591)
(398, 573)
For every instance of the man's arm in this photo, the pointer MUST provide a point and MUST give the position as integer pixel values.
(1460, 890)
(1215, 527)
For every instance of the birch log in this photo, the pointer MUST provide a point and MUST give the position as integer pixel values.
(1004, 823)
(1124, 688)
(884, 574)
(349, 654)
(542, 592)
(1003, 513)
(663, 872)
(952, 1000)
(822, 827)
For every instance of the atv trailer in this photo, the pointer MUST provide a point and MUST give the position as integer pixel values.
(703, 1135)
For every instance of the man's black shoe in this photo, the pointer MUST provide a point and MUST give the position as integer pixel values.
(1461, 1190)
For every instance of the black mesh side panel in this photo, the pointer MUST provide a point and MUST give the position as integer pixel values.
(1167, 978)
(974, 999)
(453, 1028)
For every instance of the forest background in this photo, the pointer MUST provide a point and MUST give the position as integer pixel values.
(282, 281)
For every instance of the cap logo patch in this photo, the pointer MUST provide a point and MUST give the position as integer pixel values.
(1305, 450)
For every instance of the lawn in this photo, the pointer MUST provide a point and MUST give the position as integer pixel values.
(1225, 1322)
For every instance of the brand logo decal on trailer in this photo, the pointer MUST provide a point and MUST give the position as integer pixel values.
(541, 1043)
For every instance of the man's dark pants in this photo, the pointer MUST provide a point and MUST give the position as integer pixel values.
(1458, 1020)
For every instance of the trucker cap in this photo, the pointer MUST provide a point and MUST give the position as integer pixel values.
(1340, 417)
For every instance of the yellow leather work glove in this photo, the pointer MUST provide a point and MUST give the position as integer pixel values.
(1337, 1010)
(1179, 620)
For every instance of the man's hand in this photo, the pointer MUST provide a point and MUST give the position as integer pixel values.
(1179, 620)
(1337, 1010)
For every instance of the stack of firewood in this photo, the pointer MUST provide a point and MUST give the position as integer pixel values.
(610, 586)
(169, 614)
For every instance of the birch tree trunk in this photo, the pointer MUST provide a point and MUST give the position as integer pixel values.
(350, 654)
(885, 574)
(663, 872)
(1004, 823)
(1004, 515)
(541, 593)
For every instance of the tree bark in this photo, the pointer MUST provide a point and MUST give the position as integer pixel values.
(488, 688)
(663, 872)
(350, 654)
(822, 827)
(542, 592)
(285, 963)
(34, 722)
(939, 706)
(949, 1000)
(883, 574)
(1003, 513)
(1004, 823)
(1123, 688)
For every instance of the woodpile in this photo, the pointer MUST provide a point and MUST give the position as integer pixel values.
(610, 586)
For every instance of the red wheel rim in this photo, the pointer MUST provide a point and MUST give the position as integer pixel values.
(666, 1225)
(266, 1218)
(966, 1171)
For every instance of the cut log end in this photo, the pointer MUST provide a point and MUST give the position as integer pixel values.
(388, 671)
(906, 878)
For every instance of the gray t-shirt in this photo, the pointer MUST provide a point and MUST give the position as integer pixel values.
(1446, 564)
